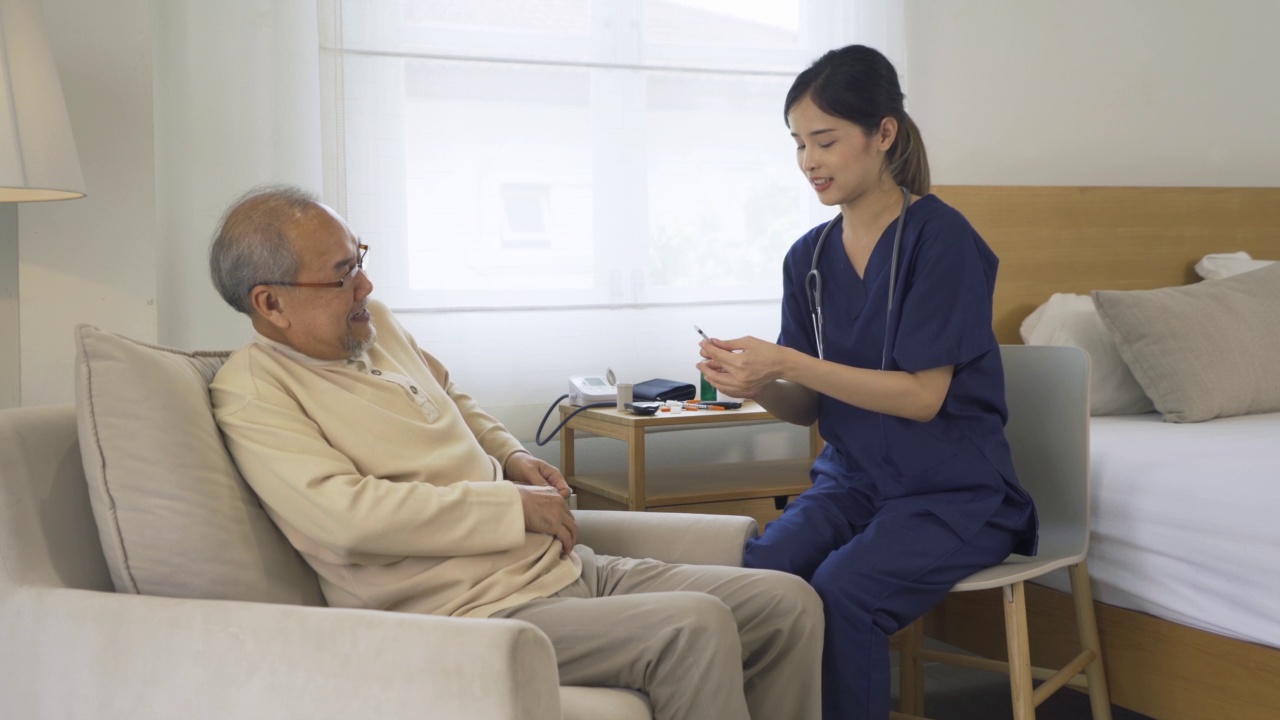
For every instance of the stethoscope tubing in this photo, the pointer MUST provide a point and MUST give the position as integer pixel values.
(813, 280)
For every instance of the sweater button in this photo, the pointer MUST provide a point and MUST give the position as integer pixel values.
(376, 371)
(413, 389)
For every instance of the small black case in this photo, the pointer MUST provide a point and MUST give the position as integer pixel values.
(643, 408)
(663, 390)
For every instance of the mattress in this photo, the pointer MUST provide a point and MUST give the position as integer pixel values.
(1186, 522)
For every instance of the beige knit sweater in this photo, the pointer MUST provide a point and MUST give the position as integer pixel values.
(385, 477)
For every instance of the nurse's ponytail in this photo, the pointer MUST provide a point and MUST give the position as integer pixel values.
(907, 161)
(859, 84)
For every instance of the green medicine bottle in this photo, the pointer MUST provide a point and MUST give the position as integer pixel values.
(708, 391)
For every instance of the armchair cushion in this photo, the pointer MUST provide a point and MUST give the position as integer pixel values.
(173, 514)
(77, 654)
(690, 538)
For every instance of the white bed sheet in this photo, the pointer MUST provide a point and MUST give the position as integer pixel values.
(1186, 521)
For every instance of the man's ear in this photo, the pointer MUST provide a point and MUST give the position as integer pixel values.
(269, 304)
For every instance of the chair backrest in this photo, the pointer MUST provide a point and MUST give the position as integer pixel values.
(48, 537)
(1047, 390)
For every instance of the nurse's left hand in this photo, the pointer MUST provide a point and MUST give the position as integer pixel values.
(741, 367)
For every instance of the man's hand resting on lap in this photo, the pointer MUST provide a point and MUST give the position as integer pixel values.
(525, 469)
(546, 512)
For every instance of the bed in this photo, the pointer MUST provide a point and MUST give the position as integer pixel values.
(1185, 550)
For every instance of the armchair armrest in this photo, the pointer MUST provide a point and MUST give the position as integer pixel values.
(79, 653)
(689, 538)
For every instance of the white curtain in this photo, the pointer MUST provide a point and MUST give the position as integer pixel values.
(557, 188)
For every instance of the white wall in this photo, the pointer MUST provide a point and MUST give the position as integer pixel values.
(236, 98)
(1097, 92)
(93, 260)
(177, 107)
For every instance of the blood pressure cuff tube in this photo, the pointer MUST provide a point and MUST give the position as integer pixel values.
(663, 390)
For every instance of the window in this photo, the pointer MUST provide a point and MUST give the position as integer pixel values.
(571, 153)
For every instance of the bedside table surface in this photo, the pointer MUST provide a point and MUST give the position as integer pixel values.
(749, 412)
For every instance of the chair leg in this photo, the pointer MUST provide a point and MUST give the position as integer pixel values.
(1087, 625)
(911, 669)
(1015, 630)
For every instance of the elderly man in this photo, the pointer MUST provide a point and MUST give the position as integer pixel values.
(404, 495)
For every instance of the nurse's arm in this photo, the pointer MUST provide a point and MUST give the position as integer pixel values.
(766, 372)
(789, 402)
(749, 368)
(915, 396)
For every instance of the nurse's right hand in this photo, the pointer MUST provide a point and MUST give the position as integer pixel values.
(743, 366)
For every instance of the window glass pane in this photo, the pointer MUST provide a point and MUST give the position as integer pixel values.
(541, 30)
(736, 23)
(562, 152)
(499, 176)
(725, 198)
(543, 16)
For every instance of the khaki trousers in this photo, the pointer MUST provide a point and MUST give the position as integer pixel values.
(704, 642)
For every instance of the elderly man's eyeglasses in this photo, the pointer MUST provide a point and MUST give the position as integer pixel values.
(361, 251)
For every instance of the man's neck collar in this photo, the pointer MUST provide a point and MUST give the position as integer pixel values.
(301, 357)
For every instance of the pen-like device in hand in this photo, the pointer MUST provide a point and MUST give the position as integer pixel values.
(704, 335)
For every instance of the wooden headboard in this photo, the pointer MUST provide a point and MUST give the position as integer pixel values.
(1078, 239)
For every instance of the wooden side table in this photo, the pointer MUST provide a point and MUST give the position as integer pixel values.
(758, 489)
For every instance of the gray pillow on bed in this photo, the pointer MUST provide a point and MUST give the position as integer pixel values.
(1202, 351)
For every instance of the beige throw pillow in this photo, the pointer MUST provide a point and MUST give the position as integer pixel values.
(1202, 351)
(173, 513)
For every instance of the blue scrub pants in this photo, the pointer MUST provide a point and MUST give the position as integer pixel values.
(878, 565)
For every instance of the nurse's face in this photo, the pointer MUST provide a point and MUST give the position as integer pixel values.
(839, 159)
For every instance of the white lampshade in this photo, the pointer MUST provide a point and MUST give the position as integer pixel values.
(37, 152)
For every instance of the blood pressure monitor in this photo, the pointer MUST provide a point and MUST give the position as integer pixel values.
(587, 389)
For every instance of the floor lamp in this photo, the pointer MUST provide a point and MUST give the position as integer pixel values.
(38, 160)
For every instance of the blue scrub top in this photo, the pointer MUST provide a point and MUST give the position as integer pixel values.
(957, 465)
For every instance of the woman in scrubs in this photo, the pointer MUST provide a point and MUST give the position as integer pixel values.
(915, 489)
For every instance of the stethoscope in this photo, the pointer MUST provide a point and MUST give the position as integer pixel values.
(813, 281)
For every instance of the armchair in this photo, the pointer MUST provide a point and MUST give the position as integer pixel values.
(71, 647)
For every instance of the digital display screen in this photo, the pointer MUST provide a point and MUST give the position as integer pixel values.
(594, 381)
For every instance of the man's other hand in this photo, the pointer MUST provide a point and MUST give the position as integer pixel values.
(526, 469)
(547, 513)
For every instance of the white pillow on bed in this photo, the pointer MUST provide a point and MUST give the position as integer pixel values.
(1216, 266)
(1067, 319)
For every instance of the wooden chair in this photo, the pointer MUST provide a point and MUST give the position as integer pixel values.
(1047, 389)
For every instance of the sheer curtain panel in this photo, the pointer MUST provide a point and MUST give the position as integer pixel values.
(574, 181)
